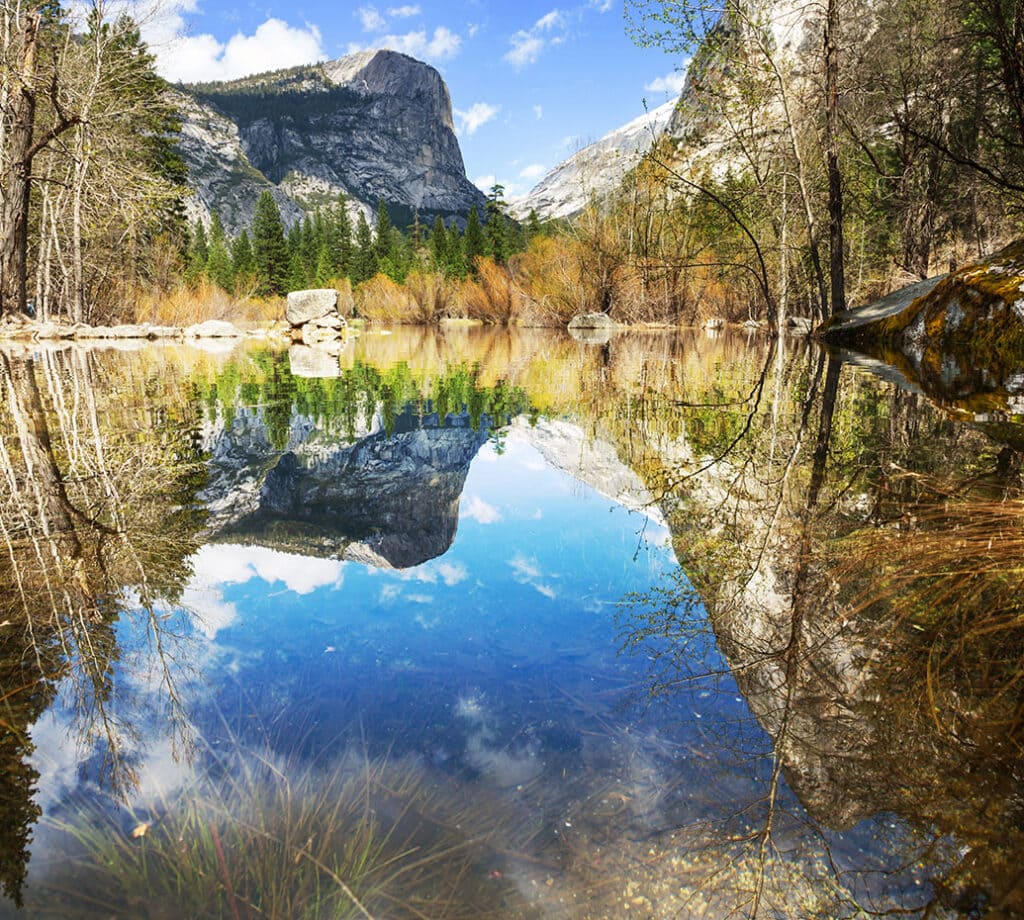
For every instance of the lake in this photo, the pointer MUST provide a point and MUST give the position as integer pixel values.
(473, 622)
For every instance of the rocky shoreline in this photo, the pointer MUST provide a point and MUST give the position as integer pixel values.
(33, 331)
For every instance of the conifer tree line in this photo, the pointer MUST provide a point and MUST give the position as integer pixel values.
(267, 259)
(857, 145)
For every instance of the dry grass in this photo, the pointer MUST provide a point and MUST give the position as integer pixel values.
(493, 297)
(381, 300)
(432, 293)
(186, 304)
(950, 576)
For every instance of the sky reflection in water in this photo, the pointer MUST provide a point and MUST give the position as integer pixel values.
(495, 668)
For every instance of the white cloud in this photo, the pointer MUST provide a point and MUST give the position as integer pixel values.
(477, 115)
(370, 19)
(210, 612)
(538, 111)
(404, 12)
(526, 48)
(527, 44)
(226, 564)
(533, 171)
(274, 45)
(452, 573)
(602, 6)
(484, 183)
(669, 83)
(439, 46)
(472, 29)
(526, 572)
(524, 568)
(476, 508)
(549, 21)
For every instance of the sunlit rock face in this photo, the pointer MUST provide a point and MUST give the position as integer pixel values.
(595, 170)
(374, 125)
(388, 500)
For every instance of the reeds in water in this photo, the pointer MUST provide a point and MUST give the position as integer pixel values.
(256, 837)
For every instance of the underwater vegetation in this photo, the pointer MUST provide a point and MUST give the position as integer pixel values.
(253, 836)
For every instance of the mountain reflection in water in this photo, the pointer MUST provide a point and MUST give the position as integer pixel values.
(677, 625)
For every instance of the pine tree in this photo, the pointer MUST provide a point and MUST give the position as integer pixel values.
(298, 279)
(343, 232)
(532, 227)
(309, 246)
(439, 245)
(270, 251)
(243, 266)
(382, 232)
(198, 252)
(364, 256)
(218, 260)
(473, 242)
(324, 272)
(496, 228)
(454, 258)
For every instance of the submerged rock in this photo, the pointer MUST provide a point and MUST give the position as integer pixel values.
(214, 329)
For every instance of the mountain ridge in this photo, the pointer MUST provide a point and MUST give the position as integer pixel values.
(596, 169)
(375, 125)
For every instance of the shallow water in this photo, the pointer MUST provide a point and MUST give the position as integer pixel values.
(594, 631)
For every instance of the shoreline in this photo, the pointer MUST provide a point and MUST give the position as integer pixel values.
(32, 331)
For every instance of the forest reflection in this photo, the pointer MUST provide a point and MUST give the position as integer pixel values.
(849, 556)
(858, 565)
(98, 521)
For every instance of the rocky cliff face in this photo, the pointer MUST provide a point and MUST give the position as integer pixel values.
(595, 170)
(373, 125)
(379, 498)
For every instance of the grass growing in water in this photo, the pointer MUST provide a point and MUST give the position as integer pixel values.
(255, 838)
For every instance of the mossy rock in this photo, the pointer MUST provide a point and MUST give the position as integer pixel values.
(966, 334)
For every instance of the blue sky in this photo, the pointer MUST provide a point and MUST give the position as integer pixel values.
(531, 82)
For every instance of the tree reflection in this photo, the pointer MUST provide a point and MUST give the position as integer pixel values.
(864, 600)
(97, 521)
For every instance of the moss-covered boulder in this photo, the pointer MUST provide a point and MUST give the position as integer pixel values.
(965, 333)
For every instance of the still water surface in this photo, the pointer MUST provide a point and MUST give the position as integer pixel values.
(502, 624)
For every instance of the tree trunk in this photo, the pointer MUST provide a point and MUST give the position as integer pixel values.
(14, 218)
(835, 179)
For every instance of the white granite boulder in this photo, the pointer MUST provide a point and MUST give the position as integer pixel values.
(306, 306)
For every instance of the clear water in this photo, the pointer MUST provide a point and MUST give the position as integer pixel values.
(474, 566)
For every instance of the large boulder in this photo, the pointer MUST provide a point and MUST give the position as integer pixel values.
(592, 321)
(974, 315)
(306, 306)
(325, 329)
